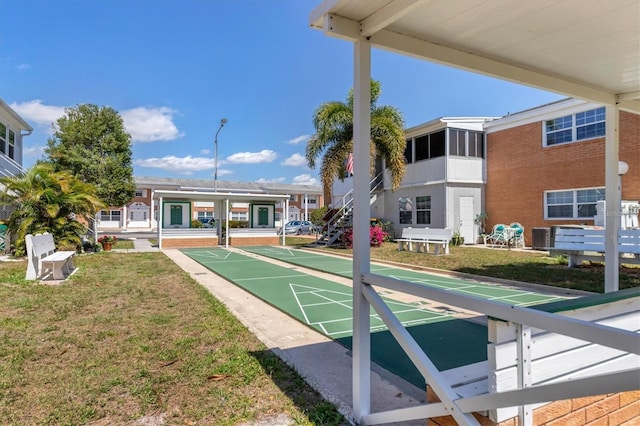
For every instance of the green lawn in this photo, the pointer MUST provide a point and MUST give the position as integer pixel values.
(132, 337)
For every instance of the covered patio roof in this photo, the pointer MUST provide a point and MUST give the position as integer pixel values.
(588, 49)
(218, 196)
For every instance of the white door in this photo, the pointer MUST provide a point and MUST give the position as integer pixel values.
(466, 220)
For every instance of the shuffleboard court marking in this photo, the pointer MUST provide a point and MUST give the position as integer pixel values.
(343, 299)
(211, 253)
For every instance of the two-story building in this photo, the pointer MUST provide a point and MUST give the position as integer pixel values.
(546, 165)
(444, 182)
(12, 129)
(541, 167)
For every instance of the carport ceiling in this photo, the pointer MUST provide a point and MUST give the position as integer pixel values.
(587, 49)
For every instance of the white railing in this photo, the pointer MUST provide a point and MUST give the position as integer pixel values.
(10, 167)
(625, 378)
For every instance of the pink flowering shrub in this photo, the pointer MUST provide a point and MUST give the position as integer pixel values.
(376, 237)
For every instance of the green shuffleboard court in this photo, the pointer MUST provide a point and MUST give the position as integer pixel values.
(343, 267)
(326, 306)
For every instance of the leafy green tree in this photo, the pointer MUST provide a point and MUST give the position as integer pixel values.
(318, 214)
(48, 201)
(91, 142)
(333, 140)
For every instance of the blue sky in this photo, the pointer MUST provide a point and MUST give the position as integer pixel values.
(174, 68)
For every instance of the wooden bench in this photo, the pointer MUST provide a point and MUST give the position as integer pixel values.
(420, 239)
(43, 259)
(581, 245)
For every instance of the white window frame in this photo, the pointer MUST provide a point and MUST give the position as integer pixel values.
(600, 118)
(418, 209)
(574, 203)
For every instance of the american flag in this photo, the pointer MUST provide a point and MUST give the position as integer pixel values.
(350, 163)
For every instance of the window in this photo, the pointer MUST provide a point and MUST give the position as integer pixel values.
(476, 144)
(205, 215)
(457, 142)
(408, 152)
(423, 210)
(110, 215)
(238, 215)
(437, 144)
(583, 125)
(422, 148)
(572, 204)
(141, 193)
(430, 146)
(12, 144)
(3, 138)
(406, 207)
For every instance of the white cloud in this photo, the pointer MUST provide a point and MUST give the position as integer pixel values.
(150, 124)
(305, 179)
(182, 165)
(35, 111)
(275, 180)
(22, 67)
(296, 160)
(205, 151)
(143, 124)
(264, 156)
(297, 140)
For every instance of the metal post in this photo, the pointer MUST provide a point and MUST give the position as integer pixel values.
(215, 154)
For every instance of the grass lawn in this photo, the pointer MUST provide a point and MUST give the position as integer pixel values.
(132, 337)
(526, 266)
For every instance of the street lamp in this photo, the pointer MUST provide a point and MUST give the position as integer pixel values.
(215, 153)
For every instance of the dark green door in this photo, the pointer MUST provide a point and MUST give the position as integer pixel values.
(176, 215)
(263, 216)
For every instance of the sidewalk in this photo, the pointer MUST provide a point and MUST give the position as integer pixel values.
(323, 363)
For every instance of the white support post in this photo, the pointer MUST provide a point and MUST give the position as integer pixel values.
(361, 248)
(226, 223)
(124, 218)
(612, 200)
(160, 222)
(152, 213)
(523, 343)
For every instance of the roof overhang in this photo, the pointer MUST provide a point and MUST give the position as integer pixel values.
(218, 196)
(588, 49)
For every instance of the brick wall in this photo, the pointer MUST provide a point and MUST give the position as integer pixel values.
(619, 409)
(170, 243)
(190, 242)
(520, 169)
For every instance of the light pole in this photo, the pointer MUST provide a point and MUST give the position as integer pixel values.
(215, 153)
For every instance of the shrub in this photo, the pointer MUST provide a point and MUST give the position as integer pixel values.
(376, 236)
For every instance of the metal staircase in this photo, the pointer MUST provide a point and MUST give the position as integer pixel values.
(340, 218)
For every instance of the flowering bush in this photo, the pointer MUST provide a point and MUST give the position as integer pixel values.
(108, 239)
(376, 237)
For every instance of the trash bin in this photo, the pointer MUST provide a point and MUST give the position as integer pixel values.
(540, 238)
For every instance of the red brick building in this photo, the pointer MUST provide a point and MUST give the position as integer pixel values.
(546, 166)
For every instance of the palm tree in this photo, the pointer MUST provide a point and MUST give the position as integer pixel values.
(333, 139)
(48, 201)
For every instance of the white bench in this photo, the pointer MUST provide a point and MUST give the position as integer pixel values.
(44, 259)
(420, 239)
(588, 245)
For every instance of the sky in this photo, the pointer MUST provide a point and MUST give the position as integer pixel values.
(174, 68)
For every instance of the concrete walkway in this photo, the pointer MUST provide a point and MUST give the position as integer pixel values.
(323, 363)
